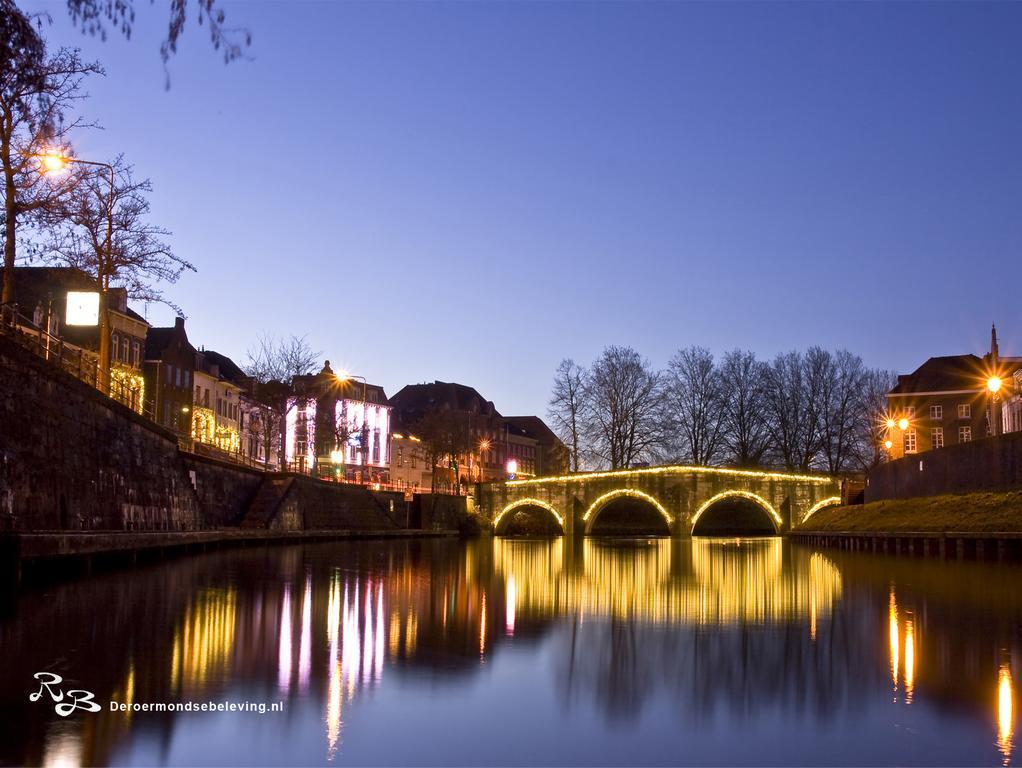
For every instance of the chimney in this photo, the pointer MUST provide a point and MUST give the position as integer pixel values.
(179, 322)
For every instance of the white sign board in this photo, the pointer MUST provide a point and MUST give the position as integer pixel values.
(82, 308)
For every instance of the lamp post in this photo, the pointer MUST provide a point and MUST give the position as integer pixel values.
(484, 445)
(55, 162)
(994, 385)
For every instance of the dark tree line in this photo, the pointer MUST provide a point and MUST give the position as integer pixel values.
(811, 410)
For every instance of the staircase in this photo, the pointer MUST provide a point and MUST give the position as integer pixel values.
(263, 507)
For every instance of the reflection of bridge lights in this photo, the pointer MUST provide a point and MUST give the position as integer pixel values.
(732, 581)
(1005, 713)
(509, 611)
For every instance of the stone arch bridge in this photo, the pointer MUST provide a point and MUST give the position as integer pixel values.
(675, 499)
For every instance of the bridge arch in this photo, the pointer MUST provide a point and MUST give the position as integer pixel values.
(504, 516)
(589, 518)
(757, 500)
(832, 501)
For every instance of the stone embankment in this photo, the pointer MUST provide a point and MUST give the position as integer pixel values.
(81, 474)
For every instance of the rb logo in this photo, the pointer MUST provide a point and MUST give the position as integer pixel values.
(50, 683)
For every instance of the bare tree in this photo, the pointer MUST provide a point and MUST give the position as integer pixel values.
(94, 17)
(36, 93)
(135, 255)
(694, 406)
(274, 363)
(841, 395)
(622, 394)
(745, 434)
(871, 417)
(792, 423)
(567, 406)
(446, 437)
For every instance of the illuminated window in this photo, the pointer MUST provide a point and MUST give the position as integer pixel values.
(125, 349)
(964, 434)
(937, 438)
(910, 441)
(964, 411)
(936, 411)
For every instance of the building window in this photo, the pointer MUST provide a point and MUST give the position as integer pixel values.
(138, 354)
(964, 434)
(937, 438)
(964, 411)
(910, 411)
(910, 441)
(177, 377)
(125, 349)
(936, 411)
(115, 349)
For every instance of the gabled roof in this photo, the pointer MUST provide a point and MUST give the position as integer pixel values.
(414, 400)
(228, 368)
(158, 338)
(945, 374)
(535, 428)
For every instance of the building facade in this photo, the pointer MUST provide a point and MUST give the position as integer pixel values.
(949, 400)
(168, 369)
(236, 408)
(43, 304)
(493, 447)
(338, 428)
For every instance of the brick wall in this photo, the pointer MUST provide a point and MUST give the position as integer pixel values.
(992, 464)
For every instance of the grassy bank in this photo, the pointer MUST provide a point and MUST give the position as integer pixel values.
(967, 513)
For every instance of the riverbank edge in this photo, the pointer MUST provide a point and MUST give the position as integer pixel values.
(59, 545)
(974, 525)
(987, 514)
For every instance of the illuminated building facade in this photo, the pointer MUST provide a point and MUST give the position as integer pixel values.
(240, 410)
(42, 295)
(216, 403)
(169, 362)
(523, 443)
(338, 428)
(947, 401)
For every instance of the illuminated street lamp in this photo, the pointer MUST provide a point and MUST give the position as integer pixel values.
(56, 161)
(902, 423)
(888, 444)
(512, 469)
(994, 384)
(484, 445)
(891, 424)
(342, 378)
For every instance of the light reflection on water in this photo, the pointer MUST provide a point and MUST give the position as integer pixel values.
(658, 651)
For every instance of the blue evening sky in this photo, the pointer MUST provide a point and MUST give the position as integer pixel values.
(472, 191)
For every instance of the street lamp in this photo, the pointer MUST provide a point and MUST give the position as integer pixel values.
(343, 377)
(994, 384)
(55, 161)
(484, 445)
(902, 423)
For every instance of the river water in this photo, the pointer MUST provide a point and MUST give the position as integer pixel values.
(443, 652)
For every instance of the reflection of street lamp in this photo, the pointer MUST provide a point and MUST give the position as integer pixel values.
(55, 161)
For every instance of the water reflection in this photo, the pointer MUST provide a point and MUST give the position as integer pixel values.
(712, 636)
(1005, 713)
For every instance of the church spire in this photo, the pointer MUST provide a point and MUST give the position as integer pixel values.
(995, 353)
